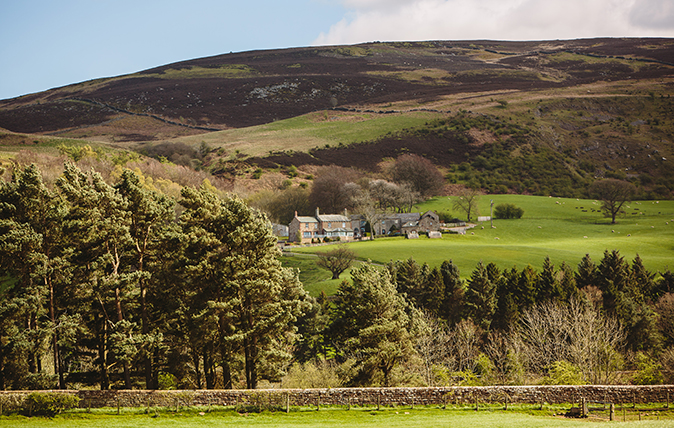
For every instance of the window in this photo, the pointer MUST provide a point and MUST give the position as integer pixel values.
(307, 235)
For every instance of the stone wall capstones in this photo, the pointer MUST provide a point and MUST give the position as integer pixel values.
(557, 394)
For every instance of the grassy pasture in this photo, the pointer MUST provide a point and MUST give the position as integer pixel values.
(563, 229)
(523, 416)
(309, 131)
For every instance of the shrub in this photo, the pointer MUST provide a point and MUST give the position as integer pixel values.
(564, 373)
(49, 403)
(506, 211)
(648, 371)
(167, 381)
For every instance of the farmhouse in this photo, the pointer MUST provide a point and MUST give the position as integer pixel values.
(346, 228)
(302, 229)
(428, 222)
(333, 226)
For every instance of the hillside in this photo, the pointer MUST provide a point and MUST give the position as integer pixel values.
(489, 113)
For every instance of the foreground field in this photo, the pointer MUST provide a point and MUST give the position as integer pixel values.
(563, 229)
(360, 418)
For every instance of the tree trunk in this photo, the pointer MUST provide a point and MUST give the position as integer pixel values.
(251, 369)
(226, 375)
(225, 354)
(57, 356)
(145, 330)
(2, 366)
(120, 317)
(209, 371)
(197, 368)
(103, 356)
(32, 365)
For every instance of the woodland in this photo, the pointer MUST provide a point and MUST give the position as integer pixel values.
(118, 286)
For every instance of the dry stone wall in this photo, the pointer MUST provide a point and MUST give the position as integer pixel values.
(362, 396)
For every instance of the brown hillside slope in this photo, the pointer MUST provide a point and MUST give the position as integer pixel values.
(251, 88)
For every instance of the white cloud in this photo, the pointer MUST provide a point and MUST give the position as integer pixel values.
(388, 20)
(653, 14)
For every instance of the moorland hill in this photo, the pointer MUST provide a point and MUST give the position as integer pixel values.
(543, 117)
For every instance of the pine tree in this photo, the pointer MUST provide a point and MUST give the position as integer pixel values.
(370, 322)
(151, 215)
(231, 258)
(506, 313)
(34, 259)
(548, 286)
(586, 274)
(480, 297)
(433, 292)
(525, 294)
(454, 292)
(98, 225)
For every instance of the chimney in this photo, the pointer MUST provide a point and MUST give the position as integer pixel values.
(317, 213)
(295, 214)
(346, 213)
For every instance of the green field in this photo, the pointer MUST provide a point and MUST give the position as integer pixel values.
(563, 229)
(302, 133)
(338, 418)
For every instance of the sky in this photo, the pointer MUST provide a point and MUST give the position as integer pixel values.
(52, 43)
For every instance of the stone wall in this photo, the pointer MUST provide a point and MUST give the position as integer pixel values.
(621, 394)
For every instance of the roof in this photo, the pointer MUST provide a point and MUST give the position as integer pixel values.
(404, 216)
(307, 219)
(333, 217)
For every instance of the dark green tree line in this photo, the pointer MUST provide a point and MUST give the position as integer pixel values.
(103, 285)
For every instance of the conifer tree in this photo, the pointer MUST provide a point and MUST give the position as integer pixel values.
(34, 261)
(454, 292)
(231, 258)
(548, 286)
(480, 297)
(151, 216)
(371, 323)
(586, 274)
(98, 227)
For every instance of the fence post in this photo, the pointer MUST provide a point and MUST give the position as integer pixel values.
(288, 402)
(584, 408)
(611, 415)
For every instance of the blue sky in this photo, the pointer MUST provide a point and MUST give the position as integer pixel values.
(51, 43)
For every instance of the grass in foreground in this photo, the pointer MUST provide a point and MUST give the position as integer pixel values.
(402, 417)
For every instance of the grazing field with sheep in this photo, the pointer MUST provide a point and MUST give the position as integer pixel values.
(563, 229)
